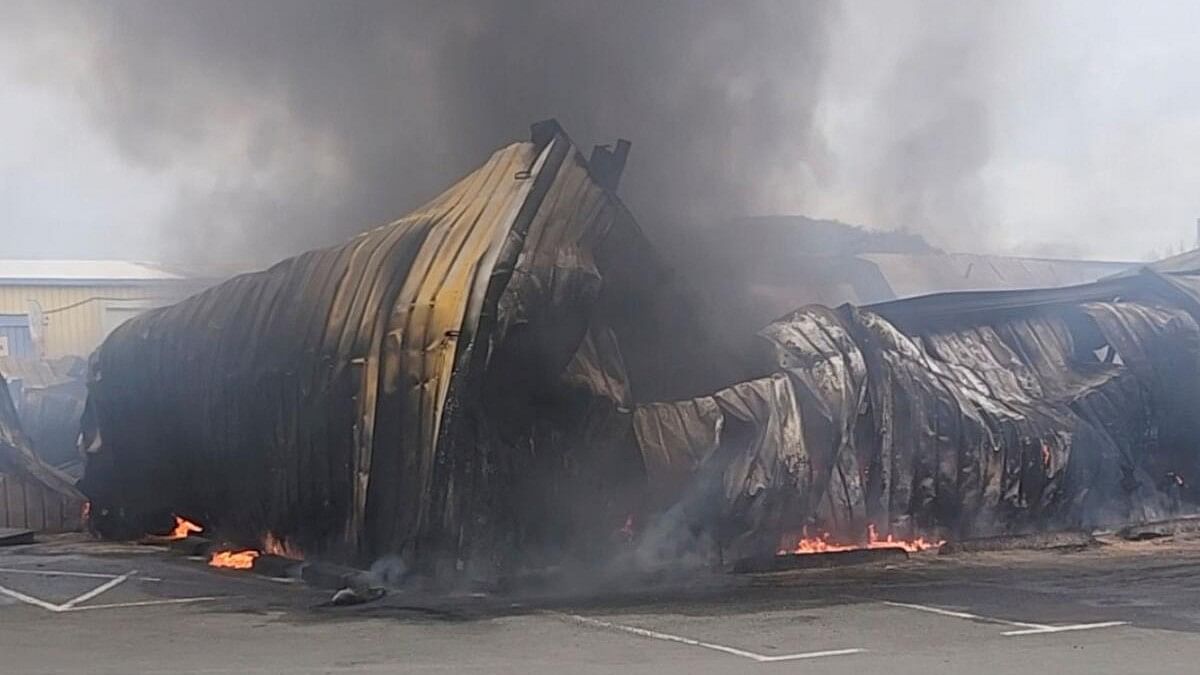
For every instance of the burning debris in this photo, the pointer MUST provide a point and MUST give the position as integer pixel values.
(184, 528)
(505, 376)
(234, 560)
(452, 388)
(959, 415)
(823, 543)
(277, 546)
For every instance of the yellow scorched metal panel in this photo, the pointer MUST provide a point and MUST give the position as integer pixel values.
(471, 221)
(438, 311)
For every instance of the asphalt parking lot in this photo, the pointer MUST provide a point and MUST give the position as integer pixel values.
(82, 607)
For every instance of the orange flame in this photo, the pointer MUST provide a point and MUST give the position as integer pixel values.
(280, 547)
(244, 560)
(821, 543)
(183, 528)
(237, 560)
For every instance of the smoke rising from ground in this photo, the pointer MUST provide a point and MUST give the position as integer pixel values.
(251, 130)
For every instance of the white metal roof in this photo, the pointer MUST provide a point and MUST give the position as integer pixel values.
(82, 270)
(918, 274)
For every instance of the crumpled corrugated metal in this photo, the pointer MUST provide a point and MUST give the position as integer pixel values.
(1062, 410)
(447, 387)
(33, 495)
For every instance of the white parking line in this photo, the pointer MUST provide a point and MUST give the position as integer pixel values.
(1026, 628)
(29, 599)
(73, 605)
(656, 635)
(102, 588)
(1066, 629)
(61, 573)
(148, 603)
(962, 615)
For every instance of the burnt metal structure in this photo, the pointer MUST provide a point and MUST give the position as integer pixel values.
(444, 387)
(33, 495)
(966, 414)
(509, 375)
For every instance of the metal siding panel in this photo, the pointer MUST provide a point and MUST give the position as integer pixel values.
(16, 504)
(375, 366)
(53, 509)
(74, 314)
(26, 481)
(429, 317)
(18, 342)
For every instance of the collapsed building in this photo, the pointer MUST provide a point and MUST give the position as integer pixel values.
(964, 414)
(451, 387)
(510, 375)
(33, 495)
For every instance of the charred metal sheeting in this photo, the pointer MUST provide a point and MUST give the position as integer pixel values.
(32, 495)
(972, 414)
(408, 392)
(50, 395)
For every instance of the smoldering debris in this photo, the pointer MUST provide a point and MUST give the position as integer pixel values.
(963, 415)
(451, 389)
(509, 387)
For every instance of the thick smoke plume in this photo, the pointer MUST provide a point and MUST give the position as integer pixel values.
(938, 130)
(224, 130)
(293, 123)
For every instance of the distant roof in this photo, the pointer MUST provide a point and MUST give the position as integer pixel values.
(82, 270)
(1188, 261)
(911, 275)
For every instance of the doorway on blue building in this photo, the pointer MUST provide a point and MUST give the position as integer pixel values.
(16, 341)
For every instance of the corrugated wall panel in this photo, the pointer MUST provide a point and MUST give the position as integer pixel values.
(74, 315)
(32, 495)
(26, 504)
(437, 306)
(341, 399)
(266, 388)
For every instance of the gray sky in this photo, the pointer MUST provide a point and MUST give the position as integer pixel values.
(246, 131)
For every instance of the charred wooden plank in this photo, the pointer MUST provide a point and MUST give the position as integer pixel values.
(808, 561)
(1036, 541)
(278, 566)
(12, 536)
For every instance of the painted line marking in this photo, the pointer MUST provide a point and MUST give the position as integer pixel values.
(963, 615)
(667, 637)
(62, 573)
(148, 603)
(1067, 629)
(73, 605)
(29, 599)
(1026, 628)
(70, 604)
(102, 588)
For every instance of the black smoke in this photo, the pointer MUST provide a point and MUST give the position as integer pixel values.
(294, 123)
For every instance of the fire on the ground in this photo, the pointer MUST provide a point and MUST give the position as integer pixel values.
(499, 379)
